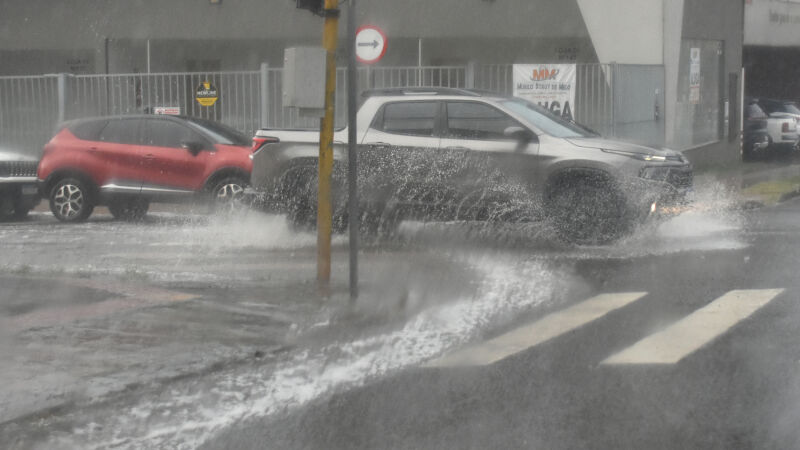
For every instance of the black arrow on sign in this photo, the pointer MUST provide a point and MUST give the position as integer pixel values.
(373, 44)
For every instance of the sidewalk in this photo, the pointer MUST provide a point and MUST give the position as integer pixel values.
(757, 183)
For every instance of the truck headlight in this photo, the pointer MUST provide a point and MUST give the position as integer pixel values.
(640, 156)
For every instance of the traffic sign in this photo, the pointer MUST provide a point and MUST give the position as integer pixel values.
(370, 44)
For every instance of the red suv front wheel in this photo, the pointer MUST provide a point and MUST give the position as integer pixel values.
(70, 200)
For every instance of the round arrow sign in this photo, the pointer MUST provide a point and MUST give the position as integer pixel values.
(370, 44)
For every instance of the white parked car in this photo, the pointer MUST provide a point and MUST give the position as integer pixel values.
(782, 118)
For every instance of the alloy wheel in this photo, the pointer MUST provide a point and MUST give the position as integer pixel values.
(229, 192)
(69, 200)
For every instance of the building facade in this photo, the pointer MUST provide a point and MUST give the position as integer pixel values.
(697, 43)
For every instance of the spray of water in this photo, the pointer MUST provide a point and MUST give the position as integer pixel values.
(184, 417)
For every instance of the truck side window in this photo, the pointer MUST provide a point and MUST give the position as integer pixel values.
(410, 118)
(470, 120)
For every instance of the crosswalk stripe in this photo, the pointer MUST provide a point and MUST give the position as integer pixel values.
(544, 329)
(687, 335)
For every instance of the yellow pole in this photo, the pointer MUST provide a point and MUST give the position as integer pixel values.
(325, 206)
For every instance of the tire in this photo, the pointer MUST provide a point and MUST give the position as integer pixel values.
(71, 200)
(20, 213)
(227, 194)
(587, 212)
(7, 209)
(298, 191)
(379, 221)
(131, 209)
(298, 194)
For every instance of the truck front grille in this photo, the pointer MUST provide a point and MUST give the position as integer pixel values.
(18, 169)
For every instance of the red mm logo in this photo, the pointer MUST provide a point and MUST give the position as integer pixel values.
(544, 74)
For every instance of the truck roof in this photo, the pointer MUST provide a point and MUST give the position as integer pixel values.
(421, 91)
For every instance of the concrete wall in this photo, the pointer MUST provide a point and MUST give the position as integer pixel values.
(772, 23)
(242, 33)
(705, 20)
(625, 32)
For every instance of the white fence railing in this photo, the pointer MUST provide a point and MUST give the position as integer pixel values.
(616, 100)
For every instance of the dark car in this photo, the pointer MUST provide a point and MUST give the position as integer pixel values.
(755, 137)
(126, 162)
(18, 193)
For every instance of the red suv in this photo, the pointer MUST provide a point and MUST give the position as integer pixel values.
(126, 162)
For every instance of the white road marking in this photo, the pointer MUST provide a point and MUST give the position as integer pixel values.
(687, 335)
(544, 329)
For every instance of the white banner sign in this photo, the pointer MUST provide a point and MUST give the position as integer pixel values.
(549, 85)
(170, 110)
(694, 75)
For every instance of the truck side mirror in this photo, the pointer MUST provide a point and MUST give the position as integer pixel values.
(520, 134)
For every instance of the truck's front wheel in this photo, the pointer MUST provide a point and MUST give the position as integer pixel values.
(587, 213)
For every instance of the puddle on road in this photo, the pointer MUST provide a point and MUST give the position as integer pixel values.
(166, 247)
(188, 415)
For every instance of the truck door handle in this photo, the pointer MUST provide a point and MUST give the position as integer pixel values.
(379, 145)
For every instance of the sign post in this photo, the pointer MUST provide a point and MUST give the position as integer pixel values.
(324, 200)
(352, 163)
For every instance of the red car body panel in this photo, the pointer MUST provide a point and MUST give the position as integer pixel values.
(106, 163)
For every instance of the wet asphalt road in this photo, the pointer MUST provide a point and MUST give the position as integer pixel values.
(187, 331)
(739, 391)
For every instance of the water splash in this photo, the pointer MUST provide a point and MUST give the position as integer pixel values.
(185, 417)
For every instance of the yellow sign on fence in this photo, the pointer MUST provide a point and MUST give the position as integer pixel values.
(206, 94)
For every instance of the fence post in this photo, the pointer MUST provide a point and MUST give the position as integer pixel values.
(469, 74)
(62, 96)
(613, 71)
(264, 95)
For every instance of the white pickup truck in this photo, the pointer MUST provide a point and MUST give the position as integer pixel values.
(454, 154)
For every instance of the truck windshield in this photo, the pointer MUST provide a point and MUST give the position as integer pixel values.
(546, 121)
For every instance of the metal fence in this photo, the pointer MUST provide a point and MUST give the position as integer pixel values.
(28, 111)
(617, 100)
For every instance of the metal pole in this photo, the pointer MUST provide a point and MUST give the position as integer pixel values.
(264, 95)
(419, 62)
(62, 97)
(324, 203)
(352, 162)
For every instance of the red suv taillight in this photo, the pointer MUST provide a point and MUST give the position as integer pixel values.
(785, 127)
(260, 141)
